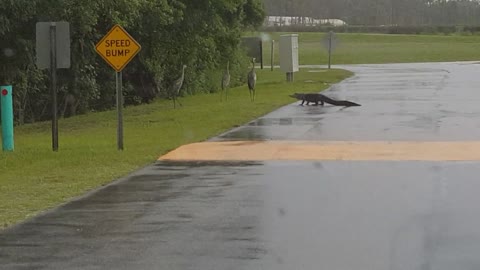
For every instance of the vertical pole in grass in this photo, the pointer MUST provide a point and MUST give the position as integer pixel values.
(6, 102)
(272, 54)
(53, 78)
(119, 110)
(330, 36)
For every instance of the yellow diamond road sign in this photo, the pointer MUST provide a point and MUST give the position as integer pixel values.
(117, 48)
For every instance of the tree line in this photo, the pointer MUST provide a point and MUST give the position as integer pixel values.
(382, 12)
(202, 34)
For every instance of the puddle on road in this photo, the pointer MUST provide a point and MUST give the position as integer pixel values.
(285, 121)
(246, 133)
(263, 129)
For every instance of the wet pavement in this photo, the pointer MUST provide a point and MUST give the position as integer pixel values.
(362, 215)
(400, 102)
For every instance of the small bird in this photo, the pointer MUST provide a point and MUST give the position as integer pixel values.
(252, 81)
(226, 80)
(177, 85)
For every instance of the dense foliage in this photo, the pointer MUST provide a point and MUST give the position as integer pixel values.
(203, 34)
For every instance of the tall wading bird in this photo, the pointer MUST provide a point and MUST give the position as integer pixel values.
(252, 81)
(177, 85)
(226, 80)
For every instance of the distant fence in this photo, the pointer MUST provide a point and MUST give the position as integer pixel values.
(413, 30)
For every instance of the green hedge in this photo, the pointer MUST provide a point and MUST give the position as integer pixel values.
(203, 34)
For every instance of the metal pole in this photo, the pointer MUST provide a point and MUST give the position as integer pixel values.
(53, 76)
(330, 50)
(290, 77)
(261, 54)
(272, 54)
(119, 110)
(7, 117)
(391, 12)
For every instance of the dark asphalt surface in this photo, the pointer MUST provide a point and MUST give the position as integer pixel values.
(336, 215)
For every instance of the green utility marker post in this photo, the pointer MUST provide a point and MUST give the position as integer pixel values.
(7, 117)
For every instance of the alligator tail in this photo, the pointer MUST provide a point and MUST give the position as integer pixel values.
(339, 102)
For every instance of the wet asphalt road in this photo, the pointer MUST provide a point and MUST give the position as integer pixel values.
(335, 215)
(400, 102)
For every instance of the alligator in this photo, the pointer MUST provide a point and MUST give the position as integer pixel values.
(319, 98)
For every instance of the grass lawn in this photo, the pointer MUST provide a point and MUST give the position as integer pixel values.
(33, 178)
(380, 48)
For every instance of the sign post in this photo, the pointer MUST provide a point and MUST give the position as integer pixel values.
(272, 53)
(118, 48)
(330, 35)
(330, 42)
(53, 51)
(53, 81)
(118, 80)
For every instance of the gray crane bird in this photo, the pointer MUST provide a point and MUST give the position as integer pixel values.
(252, 81)
(226, 81)
(177, 85)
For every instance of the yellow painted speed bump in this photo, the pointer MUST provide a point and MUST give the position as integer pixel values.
(305, 150)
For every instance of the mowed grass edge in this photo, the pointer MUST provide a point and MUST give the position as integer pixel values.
(377, 48)
(33, 178)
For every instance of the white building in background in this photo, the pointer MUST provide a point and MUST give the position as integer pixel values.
(306, 21)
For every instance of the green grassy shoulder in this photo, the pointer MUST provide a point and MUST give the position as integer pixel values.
(381, 48)
(33, 178)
